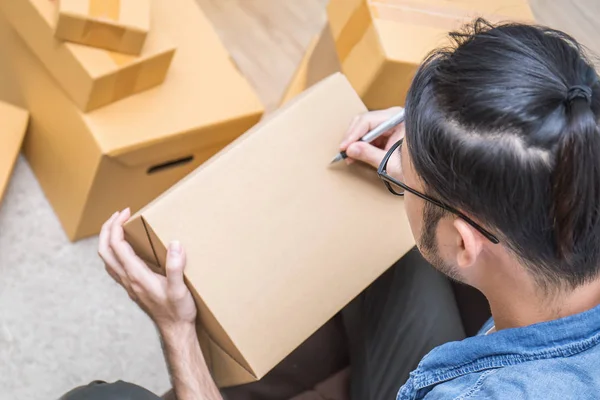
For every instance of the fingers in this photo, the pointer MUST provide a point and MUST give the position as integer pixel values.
(175, 266)
(364, 123)
(138, 274)
(366, 153)
(399, 133)
(113, 266)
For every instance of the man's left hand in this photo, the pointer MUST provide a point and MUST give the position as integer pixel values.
(167, 300)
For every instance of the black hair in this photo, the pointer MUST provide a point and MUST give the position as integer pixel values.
(503, 125)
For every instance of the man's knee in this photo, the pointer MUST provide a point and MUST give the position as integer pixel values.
(119, 390)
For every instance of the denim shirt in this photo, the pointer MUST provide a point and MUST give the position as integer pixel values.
(553, 360)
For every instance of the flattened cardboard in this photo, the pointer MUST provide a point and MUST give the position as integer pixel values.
(277, 240)
(92, 77)
(117, 25)
(13, 124)
(319, 61)
(91, 164)
(380, 43)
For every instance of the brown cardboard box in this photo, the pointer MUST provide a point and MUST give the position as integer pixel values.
(381, 42)
(126, 154)
(117, 25)
(277, 240)
(13, 123)
(91, 77)
(319, 61)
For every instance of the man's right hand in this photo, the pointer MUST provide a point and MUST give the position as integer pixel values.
(370, 153)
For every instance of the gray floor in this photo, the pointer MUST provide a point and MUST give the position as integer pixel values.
(63, 321)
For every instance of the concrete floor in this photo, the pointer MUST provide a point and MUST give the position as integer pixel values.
(63, 321)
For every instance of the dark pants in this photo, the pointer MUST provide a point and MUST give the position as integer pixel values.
(383, 333)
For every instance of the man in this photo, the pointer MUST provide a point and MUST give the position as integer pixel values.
(500, 173)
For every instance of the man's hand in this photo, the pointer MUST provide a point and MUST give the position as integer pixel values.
(370, 153)
(169, 303)
(167, 300)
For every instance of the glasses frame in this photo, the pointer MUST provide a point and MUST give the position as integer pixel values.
(388, 181)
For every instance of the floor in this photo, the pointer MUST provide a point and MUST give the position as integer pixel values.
(63, 322)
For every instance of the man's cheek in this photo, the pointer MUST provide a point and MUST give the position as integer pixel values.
(415, 215)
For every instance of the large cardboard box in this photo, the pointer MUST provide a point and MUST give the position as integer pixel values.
(318, 62)
(380, 43)
(91, 77)
(278, 241)
(126, 154)
(117, 25)
(13, 123)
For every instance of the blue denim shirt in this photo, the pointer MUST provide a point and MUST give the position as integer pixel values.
(553, 360)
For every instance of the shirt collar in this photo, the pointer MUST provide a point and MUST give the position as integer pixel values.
(558, 338)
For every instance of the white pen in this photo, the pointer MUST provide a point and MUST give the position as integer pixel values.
(382, 128)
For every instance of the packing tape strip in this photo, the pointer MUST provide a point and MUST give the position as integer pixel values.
(502, 9)
(435, 16)
(355, 29)
(99, 28)
(127, 77)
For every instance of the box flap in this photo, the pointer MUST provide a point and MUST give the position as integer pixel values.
(225, 370)
(223, 352)
(277, 240)
(461, 10)
(13, 124)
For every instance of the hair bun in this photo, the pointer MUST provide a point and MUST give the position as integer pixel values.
(579, 92)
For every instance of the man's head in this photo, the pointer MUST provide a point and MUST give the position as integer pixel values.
(504, 127)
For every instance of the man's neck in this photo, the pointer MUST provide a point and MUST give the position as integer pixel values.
(516, 300)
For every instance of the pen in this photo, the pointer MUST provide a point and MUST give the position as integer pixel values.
(382, 128)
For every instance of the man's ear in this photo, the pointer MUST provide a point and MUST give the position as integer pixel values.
(470, 244)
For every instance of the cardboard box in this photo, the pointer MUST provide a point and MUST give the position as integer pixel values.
(91, 77)
(126, 154)
(381, 43)
(13, 124)
(117, 25)
(278, 241)
(319, 61)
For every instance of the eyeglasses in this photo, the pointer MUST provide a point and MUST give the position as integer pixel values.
(398, 188)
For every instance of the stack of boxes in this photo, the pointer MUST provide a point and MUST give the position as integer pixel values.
(110, 130)
(380, 43)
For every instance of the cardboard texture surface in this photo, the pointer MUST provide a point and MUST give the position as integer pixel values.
(319, 61)
(13, 124)
(91, 77)
(277, 240)
(117, 25)
(381, 43)
(125, 154)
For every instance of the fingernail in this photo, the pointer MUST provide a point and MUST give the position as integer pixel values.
(175, 247)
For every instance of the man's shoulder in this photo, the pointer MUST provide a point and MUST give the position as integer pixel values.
(558, 378)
